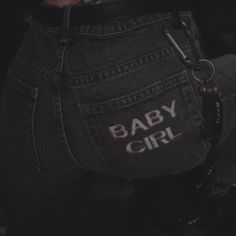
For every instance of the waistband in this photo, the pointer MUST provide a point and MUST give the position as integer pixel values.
(53, 16)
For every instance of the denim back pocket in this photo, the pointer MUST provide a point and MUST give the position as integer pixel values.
(17, 117)
(152, 131)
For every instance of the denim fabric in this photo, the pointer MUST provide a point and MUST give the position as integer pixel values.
(114, 100)
(118, 97)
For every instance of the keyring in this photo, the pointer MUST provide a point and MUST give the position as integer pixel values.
(210, 77)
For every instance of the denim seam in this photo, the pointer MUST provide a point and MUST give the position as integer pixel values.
(158, 57)
(61, 59)
(94, 134)
(63, 137)
(21, 86)
(173, 82)
(36, 66)
(37, 167)
(30, 120)
(78, 81)
(32, 164)
(146, 58)
(94, 144)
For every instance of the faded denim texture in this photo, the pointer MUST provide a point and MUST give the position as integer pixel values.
(114, 100)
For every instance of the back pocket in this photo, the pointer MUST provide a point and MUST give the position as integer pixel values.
(17, 117)
(150, 132)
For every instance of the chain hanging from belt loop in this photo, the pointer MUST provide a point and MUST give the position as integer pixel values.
(203, 71)
(66, 24)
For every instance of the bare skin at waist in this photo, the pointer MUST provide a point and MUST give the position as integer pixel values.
(61, 3)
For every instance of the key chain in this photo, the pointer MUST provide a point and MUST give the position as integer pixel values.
(203, 71)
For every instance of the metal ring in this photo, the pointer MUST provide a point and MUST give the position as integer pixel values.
(212, 75)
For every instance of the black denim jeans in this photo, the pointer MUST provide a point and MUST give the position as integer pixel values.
(112, 99)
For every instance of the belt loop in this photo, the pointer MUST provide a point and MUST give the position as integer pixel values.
(66, 24)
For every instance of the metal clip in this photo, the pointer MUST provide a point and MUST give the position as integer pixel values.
(177, 48)
(196, 67)
(186, 60)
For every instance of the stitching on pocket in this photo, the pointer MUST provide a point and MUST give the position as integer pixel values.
(155, 89)
(32, 94)
(21, 86)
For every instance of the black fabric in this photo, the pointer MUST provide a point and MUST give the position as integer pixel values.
(98, 13)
